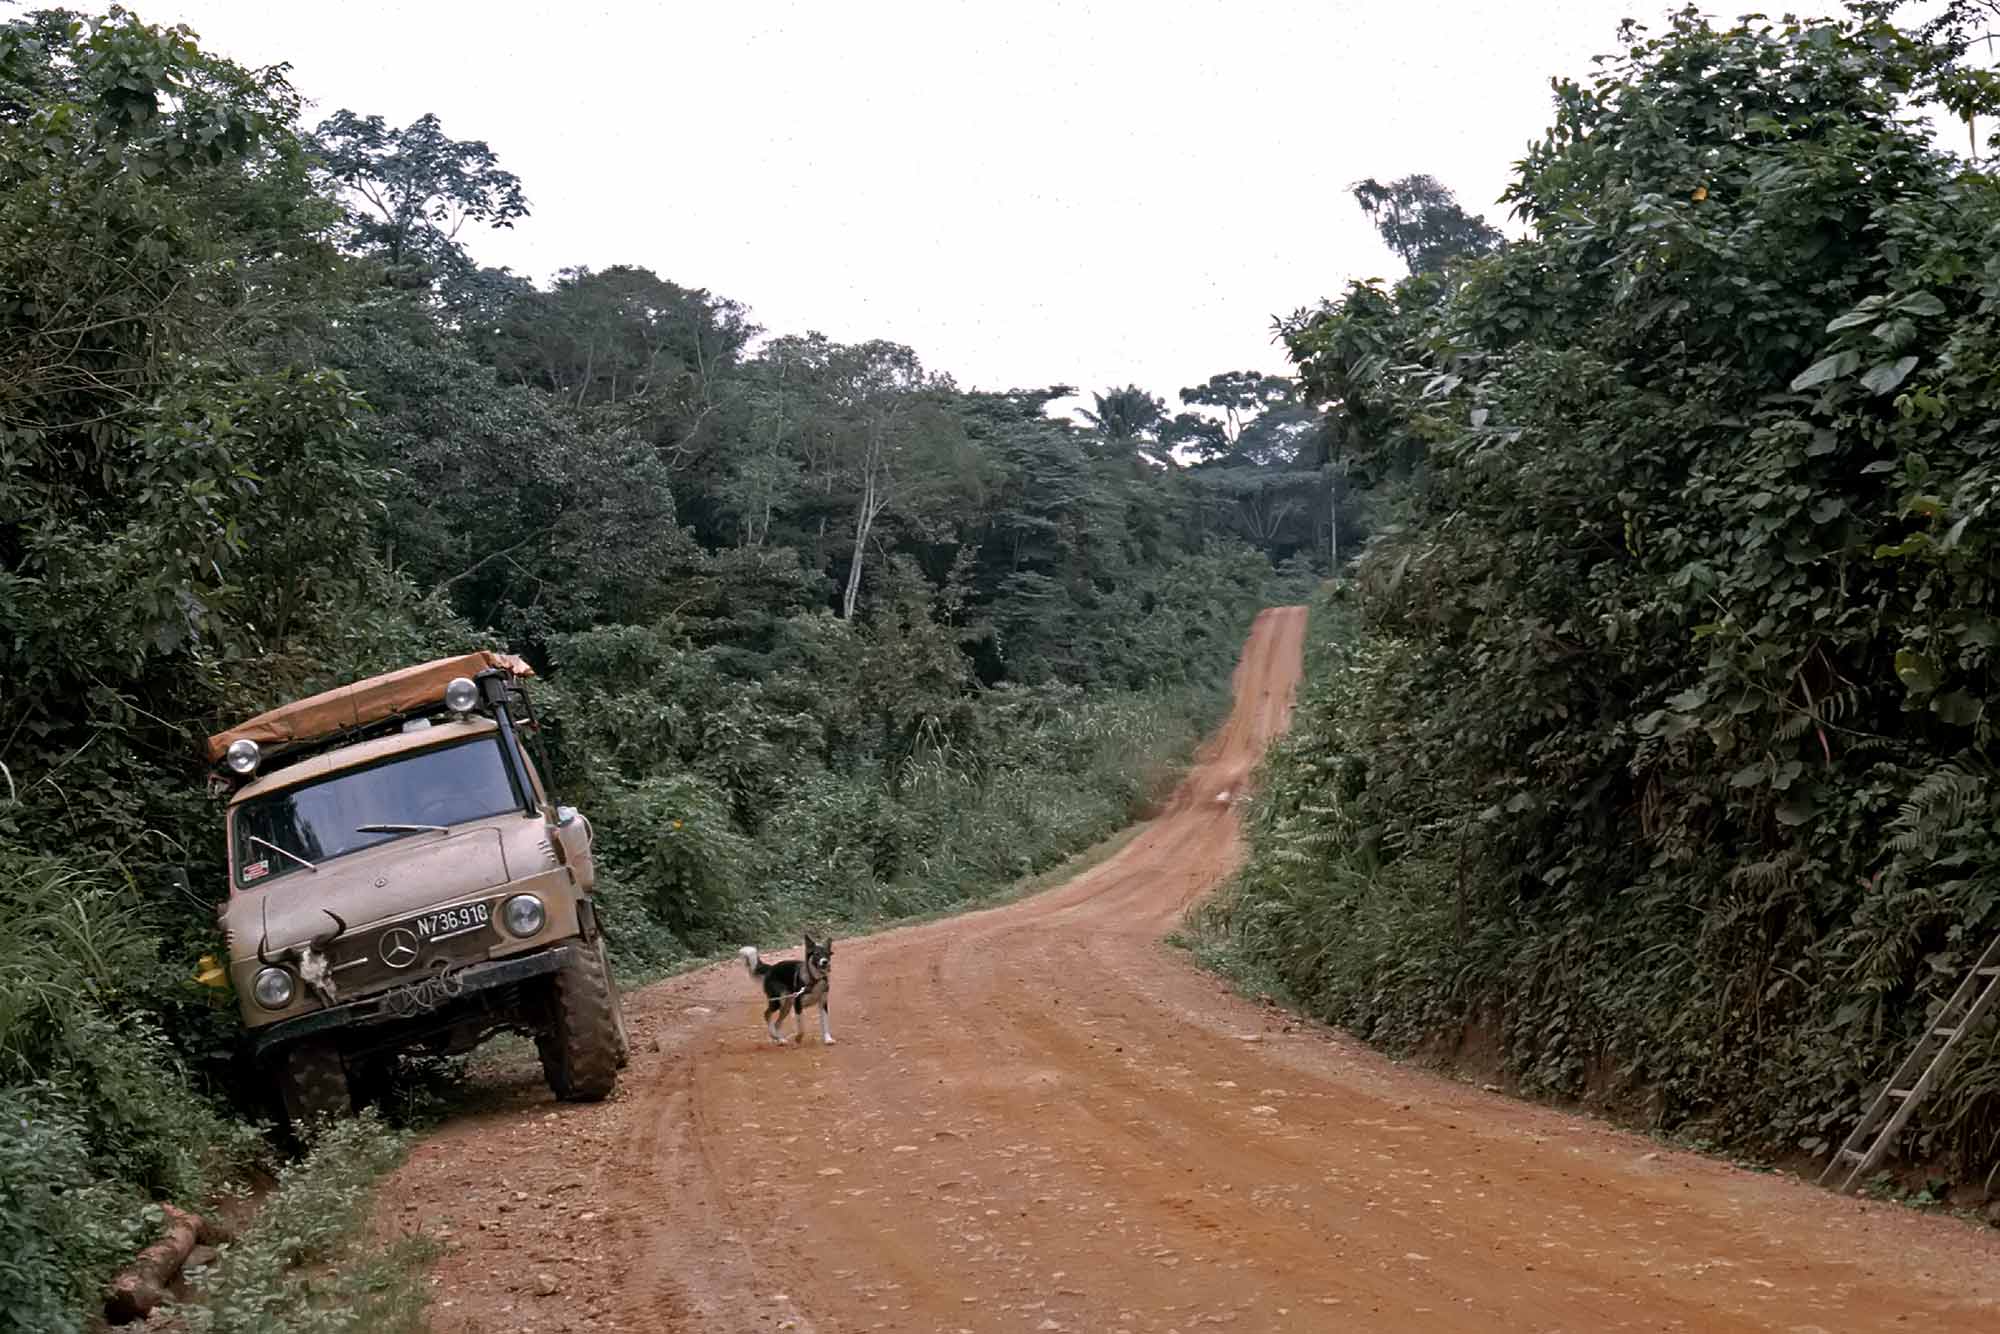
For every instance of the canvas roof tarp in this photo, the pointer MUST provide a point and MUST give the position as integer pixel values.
(370, 701)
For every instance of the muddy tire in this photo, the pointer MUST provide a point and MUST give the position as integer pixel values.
(373, 1081)
(617, 1005)
(579, 1045)
(312, 1085)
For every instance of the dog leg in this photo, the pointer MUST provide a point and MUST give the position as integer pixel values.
(773, 1016)
(825, 1031)
(799, 1014)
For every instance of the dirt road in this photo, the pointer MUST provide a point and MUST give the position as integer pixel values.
(1038, 1118)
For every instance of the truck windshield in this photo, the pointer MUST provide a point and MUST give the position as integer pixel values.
(283, 832)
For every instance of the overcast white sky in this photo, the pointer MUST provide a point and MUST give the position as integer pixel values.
(1026, 191)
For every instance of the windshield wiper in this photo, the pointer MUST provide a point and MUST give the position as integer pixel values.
(401, 829)
(283, 852)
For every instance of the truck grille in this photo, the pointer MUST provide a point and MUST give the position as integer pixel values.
(393, 953)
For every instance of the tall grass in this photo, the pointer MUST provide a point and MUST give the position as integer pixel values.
(97, 1117)
(306, 1265)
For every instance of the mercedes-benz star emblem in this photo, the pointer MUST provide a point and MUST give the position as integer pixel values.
(399, 947)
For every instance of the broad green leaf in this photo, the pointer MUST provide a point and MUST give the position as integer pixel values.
(1920, 303)
(1866, 309)
(1908, 546)
(1747, 776)
(1690, 699)
(1881, 379)
(1916, 671)
(1895, 334)
(1826, 368)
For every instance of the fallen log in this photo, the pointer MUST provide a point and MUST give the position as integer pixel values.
(143, 1284)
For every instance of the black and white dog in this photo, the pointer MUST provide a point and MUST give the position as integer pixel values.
(793, 984)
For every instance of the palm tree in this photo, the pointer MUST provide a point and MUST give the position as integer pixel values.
(1126, 414)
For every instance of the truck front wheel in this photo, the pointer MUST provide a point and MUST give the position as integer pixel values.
(312, 1084)
(617, 1006)
(579, 1042)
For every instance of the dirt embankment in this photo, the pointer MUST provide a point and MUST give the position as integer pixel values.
(1038, 1119)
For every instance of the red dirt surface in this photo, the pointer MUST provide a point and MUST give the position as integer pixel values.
(1039, 1118)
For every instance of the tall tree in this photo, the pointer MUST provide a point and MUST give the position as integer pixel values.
(1250, 417)
(1423, 223)
(874, 432)
(1129, 417)
(643, 355)
(410, 191)
(607, 337)
(531, 516)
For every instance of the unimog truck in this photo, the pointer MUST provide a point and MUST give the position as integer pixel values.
(400, 880)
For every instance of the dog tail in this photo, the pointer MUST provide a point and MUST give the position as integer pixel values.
(757, 967)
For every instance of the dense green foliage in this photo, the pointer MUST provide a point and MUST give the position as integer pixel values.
(1656, 740)
(92, 1096)
(305, 1265)
(825, 637)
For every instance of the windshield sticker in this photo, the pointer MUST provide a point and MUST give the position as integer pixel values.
(257, 870)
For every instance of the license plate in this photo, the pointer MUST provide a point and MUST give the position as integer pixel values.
(448, 922)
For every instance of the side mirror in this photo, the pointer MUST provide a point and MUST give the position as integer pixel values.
(573, 836)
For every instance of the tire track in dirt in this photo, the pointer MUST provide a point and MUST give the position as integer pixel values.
(1038, 1118)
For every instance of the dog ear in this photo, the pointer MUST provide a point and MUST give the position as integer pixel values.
(809, 940)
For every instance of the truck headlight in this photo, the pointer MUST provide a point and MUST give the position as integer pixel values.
(523, 914)
(274, 988)
(460, 694)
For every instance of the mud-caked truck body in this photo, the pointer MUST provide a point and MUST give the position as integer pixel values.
(400, 880)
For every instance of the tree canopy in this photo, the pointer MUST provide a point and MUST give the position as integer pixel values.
(411, 191)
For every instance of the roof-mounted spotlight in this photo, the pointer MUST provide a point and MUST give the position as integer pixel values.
(242, 756)
(460, 695)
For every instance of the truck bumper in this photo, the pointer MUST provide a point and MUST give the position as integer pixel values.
(411, 1002)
